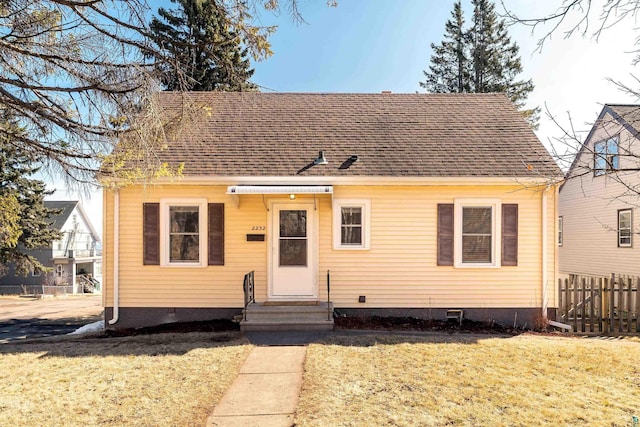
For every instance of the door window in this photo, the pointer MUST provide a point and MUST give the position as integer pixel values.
(293, 238)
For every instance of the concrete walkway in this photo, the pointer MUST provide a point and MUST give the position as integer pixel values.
(265, 393)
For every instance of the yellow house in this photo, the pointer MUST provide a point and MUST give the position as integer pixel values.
(388, 204)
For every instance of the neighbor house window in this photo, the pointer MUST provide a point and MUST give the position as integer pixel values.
(351, 224)
(560, 236)
(184, 224)
(476, 233)
(624, 228)
(605, 156)
(36, 272)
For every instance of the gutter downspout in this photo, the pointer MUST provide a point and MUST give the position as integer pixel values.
(545, 302)
(116, 257)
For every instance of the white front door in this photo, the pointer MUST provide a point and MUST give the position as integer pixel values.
(293, 252)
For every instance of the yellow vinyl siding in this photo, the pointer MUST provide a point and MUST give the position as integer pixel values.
(211, 286)
(399, 270)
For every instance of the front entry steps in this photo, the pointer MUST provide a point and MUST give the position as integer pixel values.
(287, 316)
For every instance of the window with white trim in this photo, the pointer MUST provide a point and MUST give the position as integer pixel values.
(476, 233)
(624, 228)
(560, 235)
(605, 156)
(184, 227)
(351, 224)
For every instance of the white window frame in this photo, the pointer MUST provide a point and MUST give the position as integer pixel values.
(165, 245)
(630, 244)
(363, 204)
(496, 236)
(560, 230)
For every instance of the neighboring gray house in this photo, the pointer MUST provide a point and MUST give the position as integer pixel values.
(599, 200)
(75, 259)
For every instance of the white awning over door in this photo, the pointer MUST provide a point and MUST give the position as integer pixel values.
(236, 190)
(280, 189)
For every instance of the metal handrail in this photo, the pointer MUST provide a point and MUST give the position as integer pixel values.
(249, 291)
(329, 295)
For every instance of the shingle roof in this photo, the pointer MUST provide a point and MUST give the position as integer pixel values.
(65, 207)
(393, 135)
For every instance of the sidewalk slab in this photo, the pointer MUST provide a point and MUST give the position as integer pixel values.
(273, 360)
(261, 394)
(253, 421)
(266, 391)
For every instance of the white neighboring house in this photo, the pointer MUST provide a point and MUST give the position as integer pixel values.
(75, 259)
(599, 201)
(77, 255)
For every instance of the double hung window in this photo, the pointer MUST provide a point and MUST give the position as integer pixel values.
(624, 228)
(477, 233)
(560, 225)
(351, 224)
(183, 233)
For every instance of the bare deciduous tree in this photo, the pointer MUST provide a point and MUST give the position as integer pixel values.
(586, 18)
(578, 17)
(74, 75)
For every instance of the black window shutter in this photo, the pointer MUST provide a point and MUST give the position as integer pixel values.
(445, 234)
(216, 233)
(151, 233)
(509, 235)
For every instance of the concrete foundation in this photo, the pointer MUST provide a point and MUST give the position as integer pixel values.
(137, 317)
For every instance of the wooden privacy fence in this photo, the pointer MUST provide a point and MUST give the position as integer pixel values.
(600, 304)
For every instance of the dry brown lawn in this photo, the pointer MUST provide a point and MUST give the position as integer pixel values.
(471, 381)
(156, 380)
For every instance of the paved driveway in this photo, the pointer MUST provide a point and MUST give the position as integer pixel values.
(24, 317)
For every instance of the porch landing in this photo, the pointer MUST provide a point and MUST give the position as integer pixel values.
(287, 316)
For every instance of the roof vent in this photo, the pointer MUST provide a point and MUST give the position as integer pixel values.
(321, 160)
(386, 91)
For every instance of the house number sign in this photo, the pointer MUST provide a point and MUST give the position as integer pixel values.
(258, 228)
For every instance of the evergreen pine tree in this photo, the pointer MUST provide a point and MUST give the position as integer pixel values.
(449, 69)
(481, 59)
(25, 219)
(205, 53)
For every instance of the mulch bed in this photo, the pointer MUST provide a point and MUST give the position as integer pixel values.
(415, 324)
(379, 323)
(217, 325)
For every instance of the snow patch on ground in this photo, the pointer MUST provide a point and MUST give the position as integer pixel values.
(91, 327)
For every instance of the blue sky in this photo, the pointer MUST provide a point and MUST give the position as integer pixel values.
(376, 45)
(359, 46)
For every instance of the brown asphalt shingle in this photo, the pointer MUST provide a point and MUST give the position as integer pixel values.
(393, 135)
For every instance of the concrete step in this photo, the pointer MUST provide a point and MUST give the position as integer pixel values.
(288, 316)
